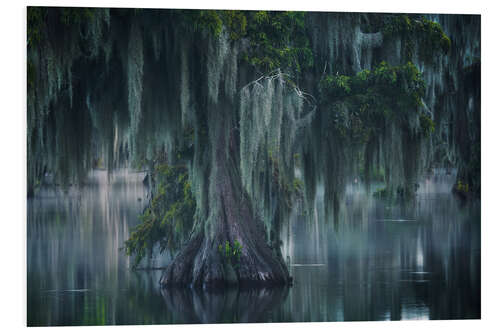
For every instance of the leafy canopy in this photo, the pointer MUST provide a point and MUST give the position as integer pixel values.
(276, 39)
(360, 104)
(417, 30)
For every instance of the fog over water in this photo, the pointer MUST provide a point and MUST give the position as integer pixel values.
(380, 261)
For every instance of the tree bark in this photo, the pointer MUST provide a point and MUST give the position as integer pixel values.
(230, 218)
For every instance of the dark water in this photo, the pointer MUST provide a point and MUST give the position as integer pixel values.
(380, 262)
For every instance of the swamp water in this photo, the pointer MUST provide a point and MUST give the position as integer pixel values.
(379, 262)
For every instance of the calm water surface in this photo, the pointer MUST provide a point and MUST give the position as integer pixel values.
(380, 262)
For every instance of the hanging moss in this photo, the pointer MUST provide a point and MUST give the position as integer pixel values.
(378, 109)
(468, 137)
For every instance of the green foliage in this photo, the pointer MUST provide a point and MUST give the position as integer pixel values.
(212, 21)
(231, 253)
(360, 105)
(417, 29)
(235, 22)
(298, 185)
(36, 17)
(426, 124)
(168, 218)
(462, 186)
(338, 85)
(402, 192)
(204, 20)
(278, 40)
(75, 15)
(381, 193)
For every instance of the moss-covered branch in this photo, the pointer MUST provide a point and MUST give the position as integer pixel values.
(168, 218)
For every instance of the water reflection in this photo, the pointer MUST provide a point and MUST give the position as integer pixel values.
(231, 305)
(381, 262)
(418, 260)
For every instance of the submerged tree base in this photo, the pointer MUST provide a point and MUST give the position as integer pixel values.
(217, 262)
(201, 264)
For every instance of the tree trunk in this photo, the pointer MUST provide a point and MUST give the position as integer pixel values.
(230, 220)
